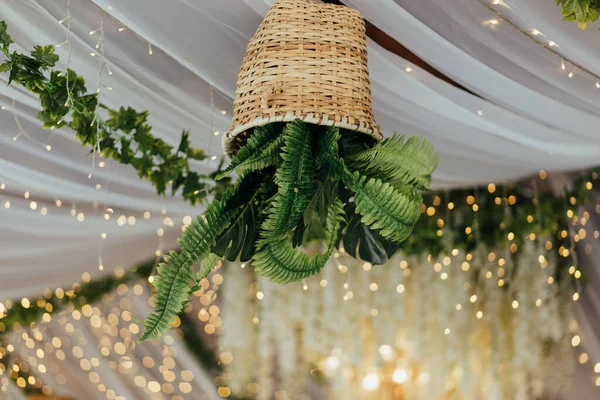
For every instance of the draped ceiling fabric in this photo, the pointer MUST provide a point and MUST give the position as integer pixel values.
(179, 60)
(91, 355)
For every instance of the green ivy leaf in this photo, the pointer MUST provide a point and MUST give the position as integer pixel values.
(582, 11)
(5, 39)
(45, 56)
(5, 67)
(184, 142)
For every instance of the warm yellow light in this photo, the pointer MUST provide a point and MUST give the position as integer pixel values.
(386, 351)
(423, 378)
(332, 363)
(400, 376)
(371, 382)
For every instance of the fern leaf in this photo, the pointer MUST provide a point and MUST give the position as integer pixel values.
(327, 146)
(381, 206)
(268, 157)
(207, 265)
(295, 178)
(397, 162)
(280, 262)
(256, 143)
(175, 275)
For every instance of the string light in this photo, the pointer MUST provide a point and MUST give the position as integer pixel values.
(400, 376)
(371, 381)
(386, 351)
(537, 36)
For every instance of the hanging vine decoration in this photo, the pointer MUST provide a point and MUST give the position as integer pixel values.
(294, 180)
(124, 136)
(127, 138)
(582, 11)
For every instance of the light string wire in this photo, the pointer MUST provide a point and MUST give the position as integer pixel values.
(23, 132)
(68, 18)
(534, 32)
(101, 65)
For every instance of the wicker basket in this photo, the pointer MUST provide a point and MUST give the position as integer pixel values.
(307, 60)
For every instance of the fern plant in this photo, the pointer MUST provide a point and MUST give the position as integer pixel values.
(298, 182)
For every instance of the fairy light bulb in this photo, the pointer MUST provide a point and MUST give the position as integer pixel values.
(424, 378)
(386, 351)
(371, 382)
(562, 64)
(400, 376)
(535, 32)
(332, 363)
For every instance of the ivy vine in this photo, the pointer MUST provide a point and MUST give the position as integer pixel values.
(124, 136)
(461, 219)
(581, 11)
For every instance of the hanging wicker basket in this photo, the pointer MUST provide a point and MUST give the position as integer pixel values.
(307, 60)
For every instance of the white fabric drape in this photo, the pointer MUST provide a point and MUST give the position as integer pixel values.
(91, 354)
(530, 121)
(532, 115)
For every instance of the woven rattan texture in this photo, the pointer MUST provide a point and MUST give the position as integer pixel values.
(307, 60)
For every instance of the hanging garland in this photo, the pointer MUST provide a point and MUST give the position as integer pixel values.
(24, 315)
(126, 137)
(582, 11)
(429, 329)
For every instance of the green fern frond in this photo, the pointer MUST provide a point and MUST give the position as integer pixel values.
(397, 162)
(381, 206)
(207, 265)
(280, 262)
(268, 157)
(256, 143)
(327, 146)
(295, 178)
(175, 275)
(173, 288)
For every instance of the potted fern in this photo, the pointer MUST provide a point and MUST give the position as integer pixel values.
(309, 160)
